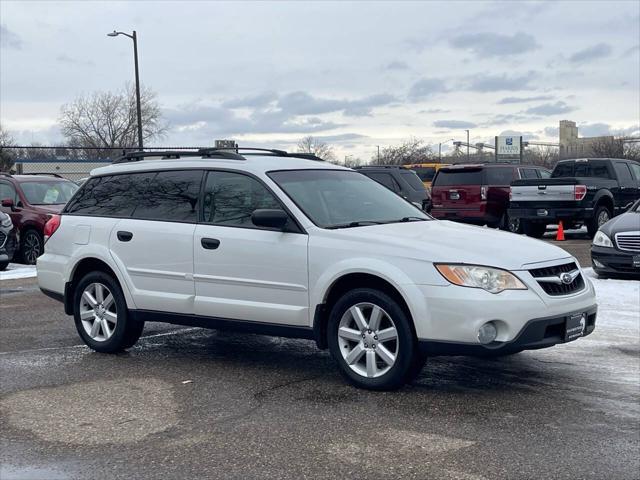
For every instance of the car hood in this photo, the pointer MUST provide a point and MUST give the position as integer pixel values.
(444, 241)
(627, 222)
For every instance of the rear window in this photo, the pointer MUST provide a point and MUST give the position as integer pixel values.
(458, 177)
(412, 179)
(425, 174)
(596, 168)
(498, 175)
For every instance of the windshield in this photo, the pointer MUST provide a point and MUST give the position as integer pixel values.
(48, 193)
(343, 198)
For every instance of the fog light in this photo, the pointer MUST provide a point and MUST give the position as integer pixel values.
(487, 333)
(597, 263)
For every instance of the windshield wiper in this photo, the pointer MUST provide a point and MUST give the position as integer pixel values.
(408, 219)
(360, 223)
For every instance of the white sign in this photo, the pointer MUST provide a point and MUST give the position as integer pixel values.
(508, 145)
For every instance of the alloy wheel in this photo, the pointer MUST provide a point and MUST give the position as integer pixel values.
(603, 217)
(514, 225)
(32, 248)
(368, 340)
(98, 312)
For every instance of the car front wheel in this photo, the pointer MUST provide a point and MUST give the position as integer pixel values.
(371, 339)
(101, 315)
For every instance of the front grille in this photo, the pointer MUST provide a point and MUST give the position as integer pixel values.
(629, 241)
(549, 279)
(3, 239)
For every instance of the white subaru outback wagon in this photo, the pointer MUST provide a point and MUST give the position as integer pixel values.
(268, 242)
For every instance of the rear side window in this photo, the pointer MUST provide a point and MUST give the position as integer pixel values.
(230, 199)
(447, 178)
(385, 179)
(623, 172)
(499, 175)
(171, 196)
(412, 179)
(110, 196)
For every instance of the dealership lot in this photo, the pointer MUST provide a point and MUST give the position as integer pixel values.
(200, 403)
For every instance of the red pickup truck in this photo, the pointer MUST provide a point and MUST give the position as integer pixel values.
(479, 194)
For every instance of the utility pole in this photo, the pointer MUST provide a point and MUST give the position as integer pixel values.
(378, 154)
(467, 145)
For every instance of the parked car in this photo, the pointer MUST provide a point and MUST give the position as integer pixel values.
(400, 180)
(479, 194)
(426, 172)
(587, 191)
(616, 246)
(7, 240)
(275, 244)
(30, 200)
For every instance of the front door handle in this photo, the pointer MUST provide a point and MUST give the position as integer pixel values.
(210, 243)
(124, 236)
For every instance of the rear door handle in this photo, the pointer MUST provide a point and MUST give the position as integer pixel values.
(124, 236)
(210, 243)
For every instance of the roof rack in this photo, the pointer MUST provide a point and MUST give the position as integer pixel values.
(213, 152)
(42, 173)
(361, 167)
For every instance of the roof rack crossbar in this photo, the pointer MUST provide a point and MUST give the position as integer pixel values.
(213, 152)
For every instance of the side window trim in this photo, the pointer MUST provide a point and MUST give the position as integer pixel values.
(209, 171)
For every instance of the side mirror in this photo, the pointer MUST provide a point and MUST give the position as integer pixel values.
(7, 202)
(270, 218)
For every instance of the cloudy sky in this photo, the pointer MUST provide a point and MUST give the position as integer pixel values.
(357, 74)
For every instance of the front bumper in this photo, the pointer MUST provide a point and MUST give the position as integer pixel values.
(551, 214)
(611, 260)
(537, 333)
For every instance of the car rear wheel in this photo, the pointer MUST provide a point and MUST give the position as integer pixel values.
(511, 224)
(601, 216)
(3, 266)
(31, 246)
(533, 229)
(101, 315)
(371, 339)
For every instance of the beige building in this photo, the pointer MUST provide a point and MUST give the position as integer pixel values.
(572, 146)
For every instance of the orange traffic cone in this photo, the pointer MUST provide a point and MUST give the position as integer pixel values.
(560, 234)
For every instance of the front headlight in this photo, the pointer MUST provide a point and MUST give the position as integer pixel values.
(6, 222)
(601, 240)
(493, 280)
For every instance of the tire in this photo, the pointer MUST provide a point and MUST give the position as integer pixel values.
(368, 368)
(31, 246)
(601, 216)
(3, 266)
(120, 331)
(509, 224)
(533, 229)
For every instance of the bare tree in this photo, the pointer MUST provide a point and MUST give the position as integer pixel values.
(7, 156)
(413, 150)
(541, 155)
(310, 144)
(109, 119)
(608, 147)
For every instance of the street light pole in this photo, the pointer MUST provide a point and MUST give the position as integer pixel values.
(134, 37)
(378, 154)
(467, 145)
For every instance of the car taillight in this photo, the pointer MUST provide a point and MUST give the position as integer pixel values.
(580, 191)
(483, 192)
(510, 193)
(51, 226)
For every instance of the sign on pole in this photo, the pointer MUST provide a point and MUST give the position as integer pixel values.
(508, 148)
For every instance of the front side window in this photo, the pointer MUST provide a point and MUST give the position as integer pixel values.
(110, 195)
(8, 192)
(171, 196)
(343, 198)
(425, 174)
(385, 179)
(230, 199)
(48, 193)
(623, 172)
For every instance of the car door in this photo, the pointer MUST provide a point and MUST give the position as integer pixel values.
(628, 185)
(243, 272)
(154, 247)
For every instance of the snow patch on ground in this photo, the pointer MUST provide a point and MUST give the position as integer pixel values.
(15, 271)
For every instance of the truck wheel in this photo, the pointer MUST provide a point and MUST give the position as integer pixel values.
(534, 229)
(601, 216)
(511, 224)
(101, 315)
(371, 340)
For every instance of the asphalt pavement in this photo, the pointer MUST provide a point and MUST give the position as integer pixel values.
(194, 403)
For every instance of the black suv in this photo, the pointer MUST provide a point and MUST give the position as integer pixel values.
(400, 180)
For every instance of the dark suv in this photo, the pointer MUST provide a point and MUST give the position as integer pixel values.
(479, 194)
(30, 200)
(400, 180)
